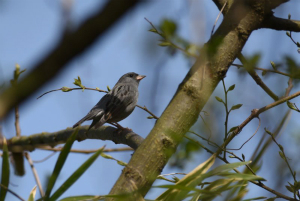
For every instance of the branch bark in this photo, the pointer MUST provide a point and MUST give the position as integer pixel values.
(42, 140)
(70, 46)
(281, 24)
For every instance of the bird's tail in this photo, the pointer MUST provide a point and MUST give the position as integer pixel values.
(80, 121)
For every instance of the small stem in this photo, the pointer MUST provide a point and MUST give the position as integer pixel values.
(227, 114)
(17, 124)
(8, 190)
(35, 174)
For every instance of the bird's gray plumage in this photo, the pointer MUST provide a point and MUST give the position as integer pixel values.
(116, 105)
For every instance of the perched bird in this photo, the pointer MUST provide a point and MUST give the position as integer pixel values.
(117, 104)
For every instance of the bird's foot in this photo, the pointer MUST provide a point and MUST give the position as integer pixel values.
(121, 128)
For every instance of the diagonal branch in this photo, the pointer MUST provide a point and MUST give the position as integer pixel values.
(257, 79)
(71, 45)
(44, 140)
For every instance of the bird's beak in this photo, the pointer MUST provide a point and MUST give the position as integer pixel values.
(140, 77)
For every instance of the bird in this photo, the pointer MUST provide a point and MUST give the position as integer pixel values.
(117, 104)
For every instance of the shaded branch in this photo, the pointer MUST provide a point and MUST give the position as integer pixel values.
(257, 79)
(44, 140)
(71, 45)
(281, 24)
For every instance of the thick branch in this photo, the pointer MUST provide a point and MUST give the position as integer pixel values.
(40, 140)
(70, 46)
(281, 24)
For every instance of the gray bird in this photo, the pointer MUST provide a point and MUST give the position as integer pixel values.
(117, 104)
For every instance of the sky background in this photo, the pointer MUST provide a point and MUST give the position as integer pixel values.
(29, 31)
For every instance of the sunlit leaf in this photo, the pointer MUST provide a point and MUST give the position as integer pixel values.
(219, 99)
(168, 27)
(60, 162)
(32, 194)
(235, 107)
(231, 88)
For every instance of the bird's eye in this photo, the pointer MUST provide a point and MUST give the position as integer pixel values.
(131, 75)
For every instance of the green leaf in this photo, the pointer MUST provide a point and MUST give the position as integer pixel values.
(5, 170)
(121, 163)
(281, 155)
(66, 89)
(292, 106)
(32, 194)
(17, 73)
(76, 175)
(168, 27)
(235, 107)
(165, 44)
(241, 176)
(251, 62)
(190, 181)
(153, 30)
(77, 82)
(263, 73)
(273, 65)
(290, 189)
(233, 129)
(257, 198)
(231, 88)
(288, 34)
(106, 156)
(108, 88)
(60, 163)
(150, 117)
(81, 198)
(219, 99)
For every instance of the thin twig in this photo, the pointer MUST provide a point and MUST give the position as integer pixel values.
(284, 157)
(78, 151)
(44, 159)
(146, 109)
(260, 184)
(289, 88)
(71, 89)
(257, 79)
(249, 138)
(15, 194)
(171, 43)
(88, 151)
(93, 89)
(210, 132)
(17, 123)
(35, 174)
(212, 31)
(264, 69)
(256, 113)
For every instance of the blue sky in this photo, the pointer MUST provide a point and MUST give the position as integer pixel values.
(30, 29)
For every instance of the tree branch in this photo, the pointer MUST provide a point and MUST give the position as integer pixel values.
(44, 140)
(70, 46)
(257, 79)
(281, 24)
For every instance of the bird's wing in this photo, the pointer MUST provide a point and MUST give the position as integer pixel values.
(121, 97)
